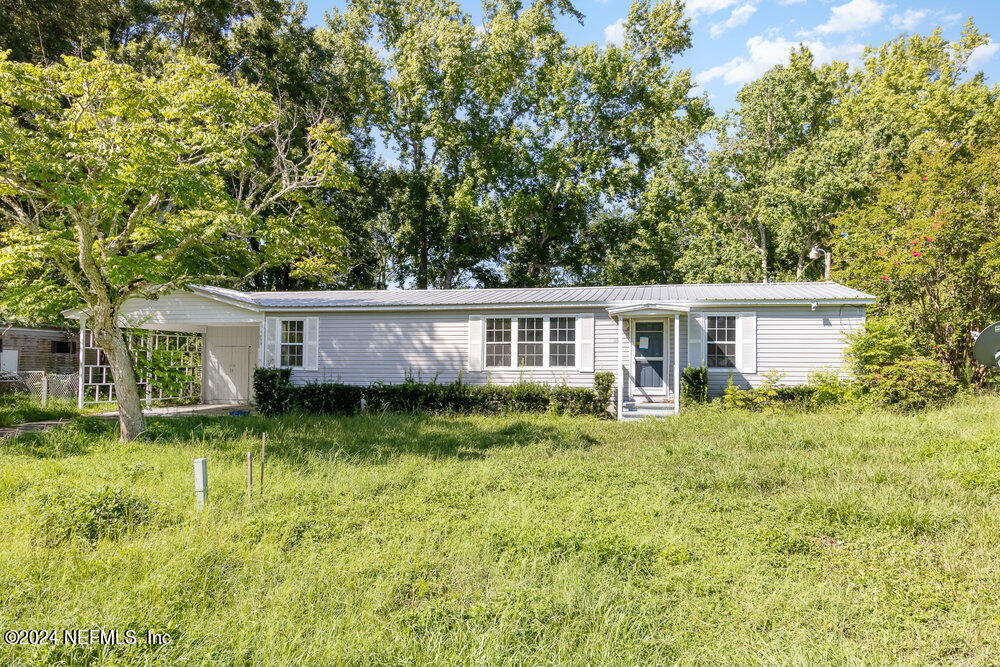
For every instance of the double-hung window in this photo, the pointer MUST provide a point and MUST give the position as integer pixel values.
(530, 342)
(293, 343)
(721, 336)
(498, 339)
(562, 341)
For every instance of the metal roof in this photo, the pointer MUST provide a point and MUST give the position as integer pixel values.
(691, 294)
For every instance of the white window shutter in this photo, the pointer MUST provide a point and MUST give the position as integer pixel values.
(310, 361)
(748, 342)
(272, 335)
(475, 343)
(696, 340)
(585, 334)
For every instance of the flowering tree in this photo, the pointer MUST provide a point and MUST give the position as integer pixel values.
(929, 246)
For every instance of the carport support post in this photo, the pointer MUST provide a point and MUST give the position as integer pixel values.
(82, 352)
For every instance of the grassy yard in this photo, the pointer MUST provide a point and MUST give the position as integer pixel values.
(20, 408)
(712, 537)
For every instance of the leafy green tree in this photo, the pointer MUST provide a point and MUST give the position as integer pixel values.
(777, 178)
(116, 185)
(929, 246)
(599, 121)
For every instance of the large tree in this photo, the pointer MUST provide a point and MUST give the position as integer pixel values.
(116, 185)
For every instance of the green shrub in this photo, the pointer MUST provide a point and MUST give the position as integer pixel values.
(327, 399)
(770, 394)
(91, 514)
(574, 401)
(276, 395)
(828, 388)
(274, 391)
(694, 385)
(909, 384)
(876, 346)
(604, 382)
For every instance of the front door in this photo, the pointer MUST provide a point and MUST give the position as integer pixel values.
(649, 357)
(229, 374)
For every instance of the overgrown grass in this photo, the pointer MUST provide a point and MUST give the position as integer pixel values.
(22, 408)
(714, 537)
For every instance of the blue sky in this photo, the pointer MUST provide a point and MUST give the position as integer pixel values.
(735, 41)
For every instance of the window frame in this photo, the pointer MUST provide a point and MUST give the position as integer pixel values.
(545, 342)
(737, 342)
(281, 343)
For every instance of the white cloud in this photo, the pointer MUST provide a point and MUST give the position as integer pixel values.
(695, 7)
(855, 15)
(615, 33)
(981, 54)
(909, 19)
(739, 17)
(764, 53)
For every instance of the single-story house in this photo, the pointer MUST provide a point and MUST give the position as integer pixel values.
(645, 335)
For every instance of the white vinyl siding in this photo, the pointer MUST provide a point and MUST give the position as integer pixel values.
(361, 348)
(795, 341)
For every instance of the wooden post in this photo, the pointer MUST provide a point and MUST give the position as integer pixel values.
(263, 445)
(45, 389)
(249, 477)
(201, 483)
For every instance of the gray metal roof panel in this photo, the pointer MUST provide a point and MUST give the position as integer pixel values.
(687, 294)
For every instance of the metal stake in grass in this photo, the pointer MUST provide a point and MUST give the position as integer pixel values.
(249, 477)
(263, 444)
(201, 483)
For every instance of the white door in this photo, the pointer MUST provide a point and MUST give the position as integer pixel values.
(228, 374)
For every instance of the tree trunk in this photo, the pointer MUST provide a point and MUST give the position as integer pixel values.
(763, 250)
(130, 417)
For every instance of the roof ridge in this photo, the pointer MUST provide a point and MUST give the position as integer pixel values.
(558, 287)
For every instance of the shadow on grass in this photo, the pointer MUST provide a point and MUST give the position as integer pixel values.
(370, 438)
(71, 439)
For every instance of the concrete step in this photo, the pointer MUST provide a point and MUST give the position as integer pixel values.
(639, 410)
(644, 405)
(637, 416)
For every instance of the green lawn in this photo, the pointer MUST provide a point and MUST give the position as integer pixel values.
(21, 408)
(711, 537)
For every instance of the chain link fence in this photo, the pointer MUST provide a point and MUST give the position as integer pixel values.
(41, 385)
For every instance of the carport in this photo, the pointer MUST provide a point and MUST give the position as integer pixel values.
(193, 345)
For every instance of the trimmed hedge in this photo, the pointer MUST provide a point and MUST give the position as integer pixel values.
(276, 395)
